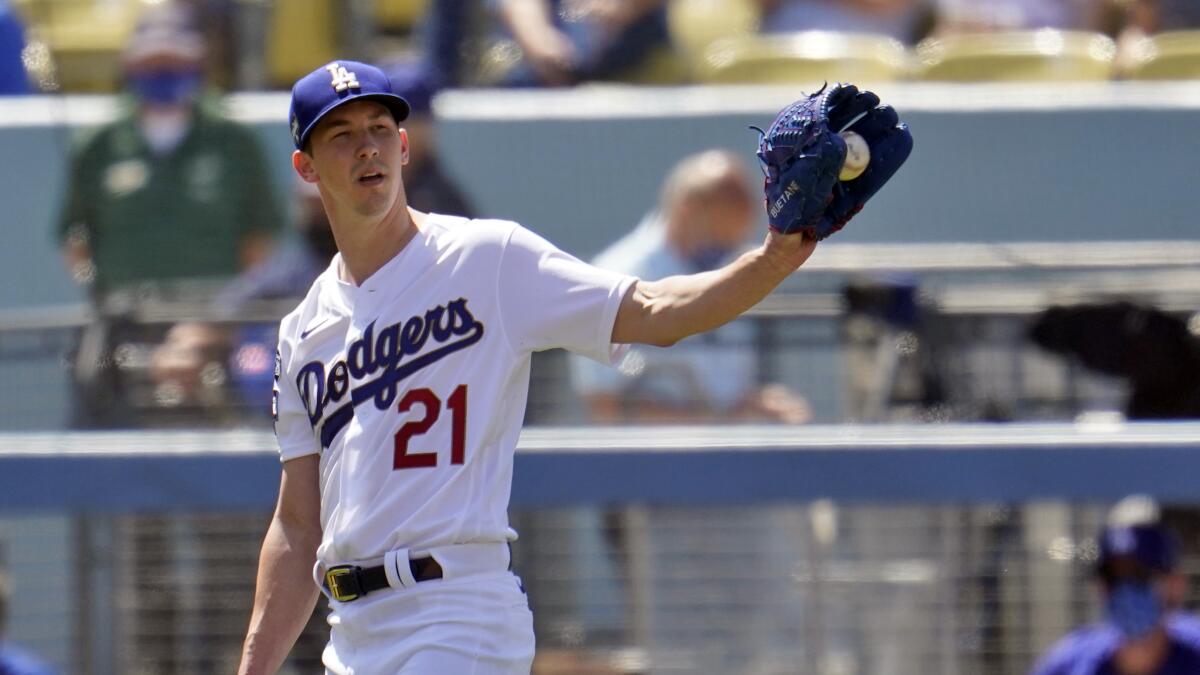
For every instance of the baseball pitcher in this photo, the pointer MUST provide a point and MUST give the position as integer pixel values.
(402, 377)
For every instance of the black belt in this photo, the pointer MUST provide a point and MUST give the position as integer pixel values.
(350, 582)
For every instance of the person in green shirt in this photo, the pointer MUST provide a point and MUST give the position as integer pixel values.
(171, 190)
(164, 205)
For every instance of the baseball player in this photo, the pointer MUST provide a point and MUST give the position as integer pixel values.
(401, 384)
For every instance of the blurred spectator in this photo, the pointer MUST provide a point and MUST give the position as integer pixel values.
(13, 77)
(426, 186)
(1144, 631)
(1159, 16)
(564, 42)
(450, 33)
(245, 349)
(170, 196)
(904, 20)
(1147, 17)
(973, 16)
(706, 212)
(14, 660)
(1154, 351)
(171, 190)
(893, 352)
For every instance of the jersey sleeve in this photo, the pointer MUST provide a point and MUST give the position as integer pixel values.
(548, 298)
(292, 429)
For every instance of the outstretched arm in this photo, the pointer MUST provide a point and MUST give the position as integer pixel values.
(285, 594)
(664, 312)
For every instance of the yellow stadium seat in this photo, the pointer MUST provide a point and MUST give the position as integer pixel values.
(1041, 55)
(663, 66)
(1173, 55)
(84, 37)
(809, 57)
(302, 36)
(399, 14)
(695, 24)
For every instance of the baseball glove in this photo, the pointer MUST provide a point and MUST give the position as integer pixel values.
(801, 155)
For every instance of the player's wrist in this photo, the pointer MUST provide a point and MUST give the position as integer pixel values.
(784, 253)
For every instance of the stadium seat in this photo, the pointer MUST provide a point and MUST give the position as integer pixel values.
(1173, 55)
(804, 58)
(399, 15)
(695, 24)
(84, 38)
(302, 35)
(1041, 55)
(663, 66)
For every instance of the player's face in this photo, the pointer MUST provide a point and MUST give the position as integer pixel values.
(357, 152)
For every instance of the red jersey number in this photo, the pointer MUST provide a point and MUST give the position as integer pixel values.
(431, 409)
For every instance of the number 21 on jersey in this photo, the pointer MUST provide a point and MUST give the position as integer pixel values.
(427, 404)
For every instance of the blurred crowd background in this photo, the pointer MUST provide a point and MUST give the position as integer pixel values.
(185, 237)
(146, 150)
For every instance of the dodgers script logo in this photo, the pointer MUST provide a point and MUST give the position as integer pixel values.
(451, 327)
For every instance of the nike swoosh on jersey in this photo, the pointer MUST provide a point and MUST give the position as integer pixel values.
(309, 331)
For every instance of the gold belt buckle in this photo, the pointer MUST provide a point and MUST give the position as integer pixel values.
(343, 583)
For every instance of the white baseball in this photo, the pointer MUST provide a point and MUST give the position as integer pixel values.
(858, 155)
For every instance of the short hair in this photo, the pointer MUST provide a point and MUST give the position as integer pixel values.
(704, 175)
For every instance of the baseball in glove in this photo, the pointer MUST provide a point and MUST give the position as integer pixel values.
(802, 153)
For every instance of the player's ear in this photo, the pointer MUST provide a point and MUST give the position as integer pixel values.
(303, 165)
(403, 146)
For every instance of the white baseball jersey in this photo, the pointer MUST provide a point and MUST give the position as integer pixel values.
(412, 386)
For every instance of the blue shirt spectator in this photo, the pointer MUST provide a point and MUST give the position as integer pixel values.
(564, 42)
(1144, 632)
(13, 77)
(1091, 650)
(706, 212)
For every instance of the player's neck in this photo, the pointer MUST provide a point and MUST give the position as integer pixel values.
(367, 245)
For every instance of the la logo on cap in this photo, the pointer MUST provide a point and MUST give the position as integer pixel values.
(342, 78)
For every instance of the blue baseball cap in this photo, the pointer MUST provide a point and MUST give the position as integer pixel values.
(1135, 532)
(332, 85)
(1151, 546)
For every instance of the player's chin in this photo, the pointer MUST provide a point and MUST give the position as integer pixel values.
(374, 202)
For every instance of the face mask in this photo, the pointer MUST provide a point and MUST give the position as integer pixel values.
(1134, 608)
(169, 87)
(708, 258)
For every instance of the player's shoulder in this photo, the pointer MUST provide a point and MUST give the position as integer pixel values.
(1079, 652)
(474, 234)
(309, 309)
